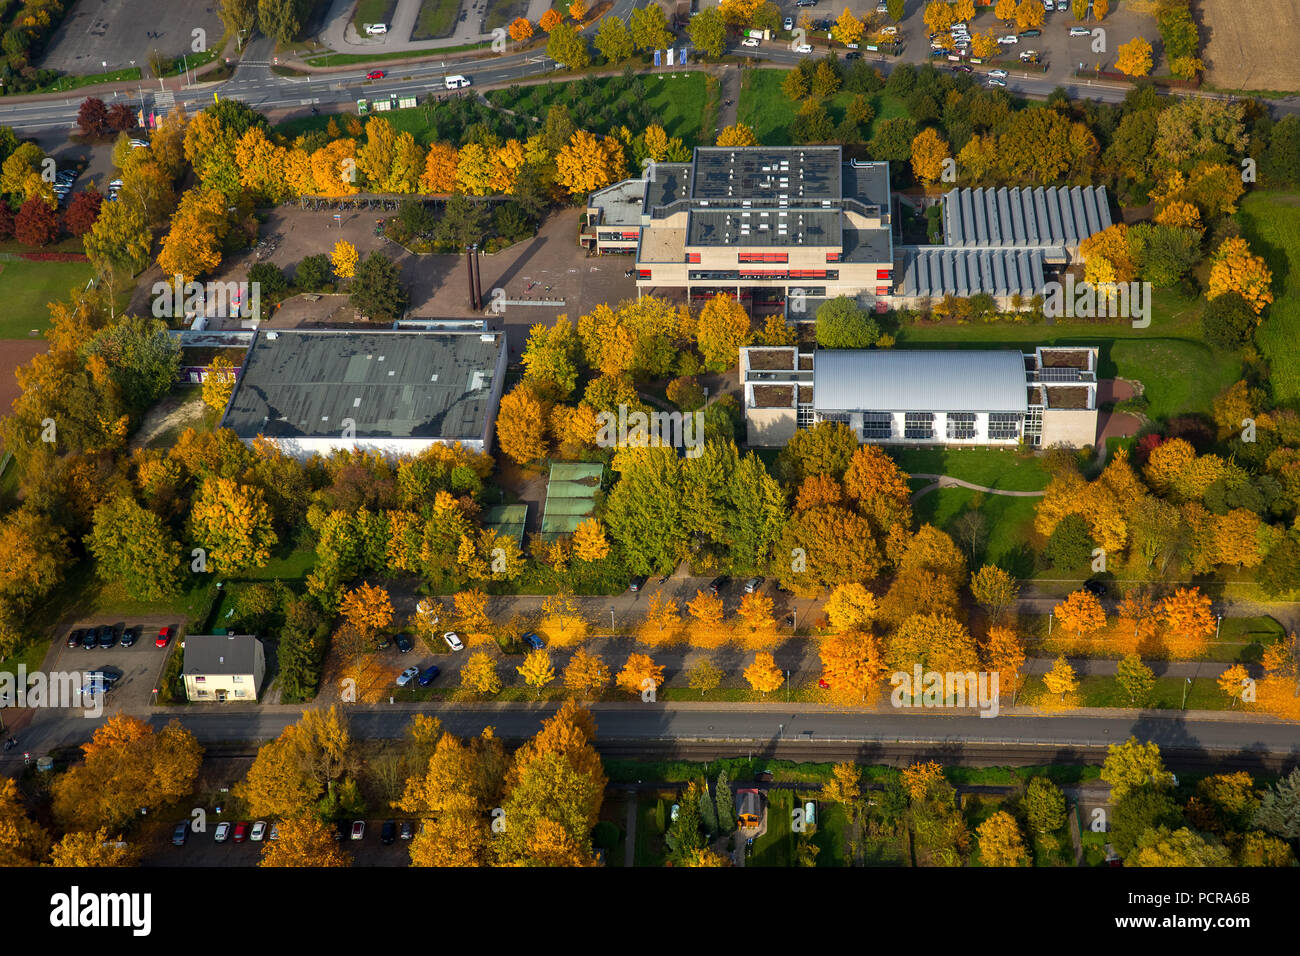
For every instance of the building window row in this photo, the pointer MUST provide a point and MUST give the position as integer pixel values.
(1003, 425)
(961, 425)
(618, 236)
(743, 257)
(918, 425)
(878, 425)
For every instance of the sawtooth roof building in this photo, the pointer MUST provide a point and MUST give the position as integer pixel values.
(923, 397)
(398, 392)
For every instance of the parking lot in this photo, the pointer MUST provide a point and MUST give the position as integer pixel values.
(202, 849)
(95, 32)
(139, 665)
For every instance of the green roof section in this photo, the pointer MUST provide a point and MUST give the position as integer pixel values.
(570, 497)
(508, 520)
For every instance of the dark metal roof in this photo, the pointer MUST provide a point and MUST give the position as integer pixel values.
(764, 227)
(800, 173)
(945, 270)
(222, 654)
(393, 384)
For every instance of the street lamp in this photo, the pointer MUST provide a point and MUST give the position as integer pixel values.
(1187, 683)
(611, 620)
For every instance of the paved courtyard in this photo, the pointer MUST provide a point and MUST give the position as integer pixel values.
(116, 32)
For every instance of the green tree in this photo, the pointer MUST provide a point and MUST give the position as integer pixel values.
(568, 47)
(463, 222)
(1135, 679)
(708, 31)
(1279, 808)
(708, 813)
(376, 291)
(614, 40)
(1044, 805)
(650, 28)
(133, 548)
(1070, 545)
(1140, 810)
(725, 803)
(144, 361)
(841, 324)
(314, 273)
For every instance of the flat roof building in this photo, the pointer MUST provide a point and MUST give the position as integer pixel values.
(398, 392)
(923, 397)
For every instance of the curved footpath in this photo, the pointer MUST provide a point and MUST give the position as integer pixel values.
(948, 481)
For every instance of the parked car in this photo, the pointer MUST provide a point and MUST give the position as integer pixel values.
(1030, 33)
(1000, 74)
(1079, 32)
(751, 41)
(376, 75)
(107, 637)
(90, 639)
(408, 675)
(962, 68)
(853, 55)
(803, 48)
(406, 831)
(404, 642)
(429, 675)
(717, 584)
(130, 636)
(753, 584)
(139, 143)
(358, 829)
(1029, 56)
(637, 583)
(258, 831)
(1062, 5)
(275, 832)
(788, 23)
(1008, 39)
(340, 831)
(882, 8)
(164, 635)
(222, 832)
(376, 29)
(821, 682)
(806, 3)
(994, 81)
(533, 641)
(109, 675)
(388, 833)
(74, 637)
(453, 641)
(383, 642)
(241, 831)
(180, 832)
(1095, 587)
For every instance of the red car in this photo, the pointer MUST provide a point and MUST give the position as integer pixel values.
(164, 636)
(375, 75)
(241, 832)
(821, 682)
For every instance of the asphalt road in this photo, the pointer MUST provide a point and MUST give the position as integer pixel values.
(256, 85)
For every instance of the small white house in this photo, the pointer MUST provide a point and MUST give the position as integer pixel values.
(223, 667)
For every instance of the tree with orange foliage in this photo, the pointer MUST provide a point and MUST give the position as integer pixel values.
(853, 665)
(550, 20)
(1004, 653)
(763, 675)
(578, 10)
(1081, 612)
(1234, 682)
(920, 777)
(1188, 620)
(520, 30)
(1234, 268)
(641, 676)
(707, 631)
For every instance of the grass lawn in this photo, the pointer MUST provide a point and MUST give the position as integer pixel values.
(1271, 224)
(1009, 523)
(765, 109)
(677, 102)
(373, 11)
(346, 59)
(831, 835)
(437, 18)
(27, 288)
(992, 467)
(65, 83)
(776, 846)
(502, 12)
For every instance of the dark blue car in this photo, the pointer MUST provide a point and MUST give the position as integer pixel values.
(533, 641)
(428, 675)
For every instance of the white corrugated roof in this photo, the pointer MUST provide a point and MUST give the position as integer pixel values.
(919, 381)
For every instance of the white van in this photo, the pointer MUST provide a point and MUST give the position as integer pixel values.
(376, 29)
(456, 82)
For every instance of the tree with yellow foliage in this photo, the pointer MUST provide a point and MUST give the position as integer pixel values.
(703, 675)
(1029, 14)
(939, 16)
(1180, 214)
(848, 28)
(537, 670)
(851, 607)
(303, 842)
(920, 777)
(853, 665)
(232, 522)
(589, 542)
(763, 674)
(640, 675)
(963, 10)
(662, 623)
(737, 134)
(1188, 618)
(1100, 8)
(1134, 57)
(707, 630)
(1233, 682)
(94, 849)
(344, 259)
(588, 163)
(562, 621)
(440, 166)
(521, 424)
(586, 675)
(984, 45)
(219, 383)
(929, 150)
(367, 608)
(1081, 612)
(1235, 269)
(471, 610)
(1000, 841)
(192, 246)
(1005, 10)
(1060, 679)
(722, 329)
(994, 590)
(1005, 654)
(480, 674)
(1106, 256)
(577, 10)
